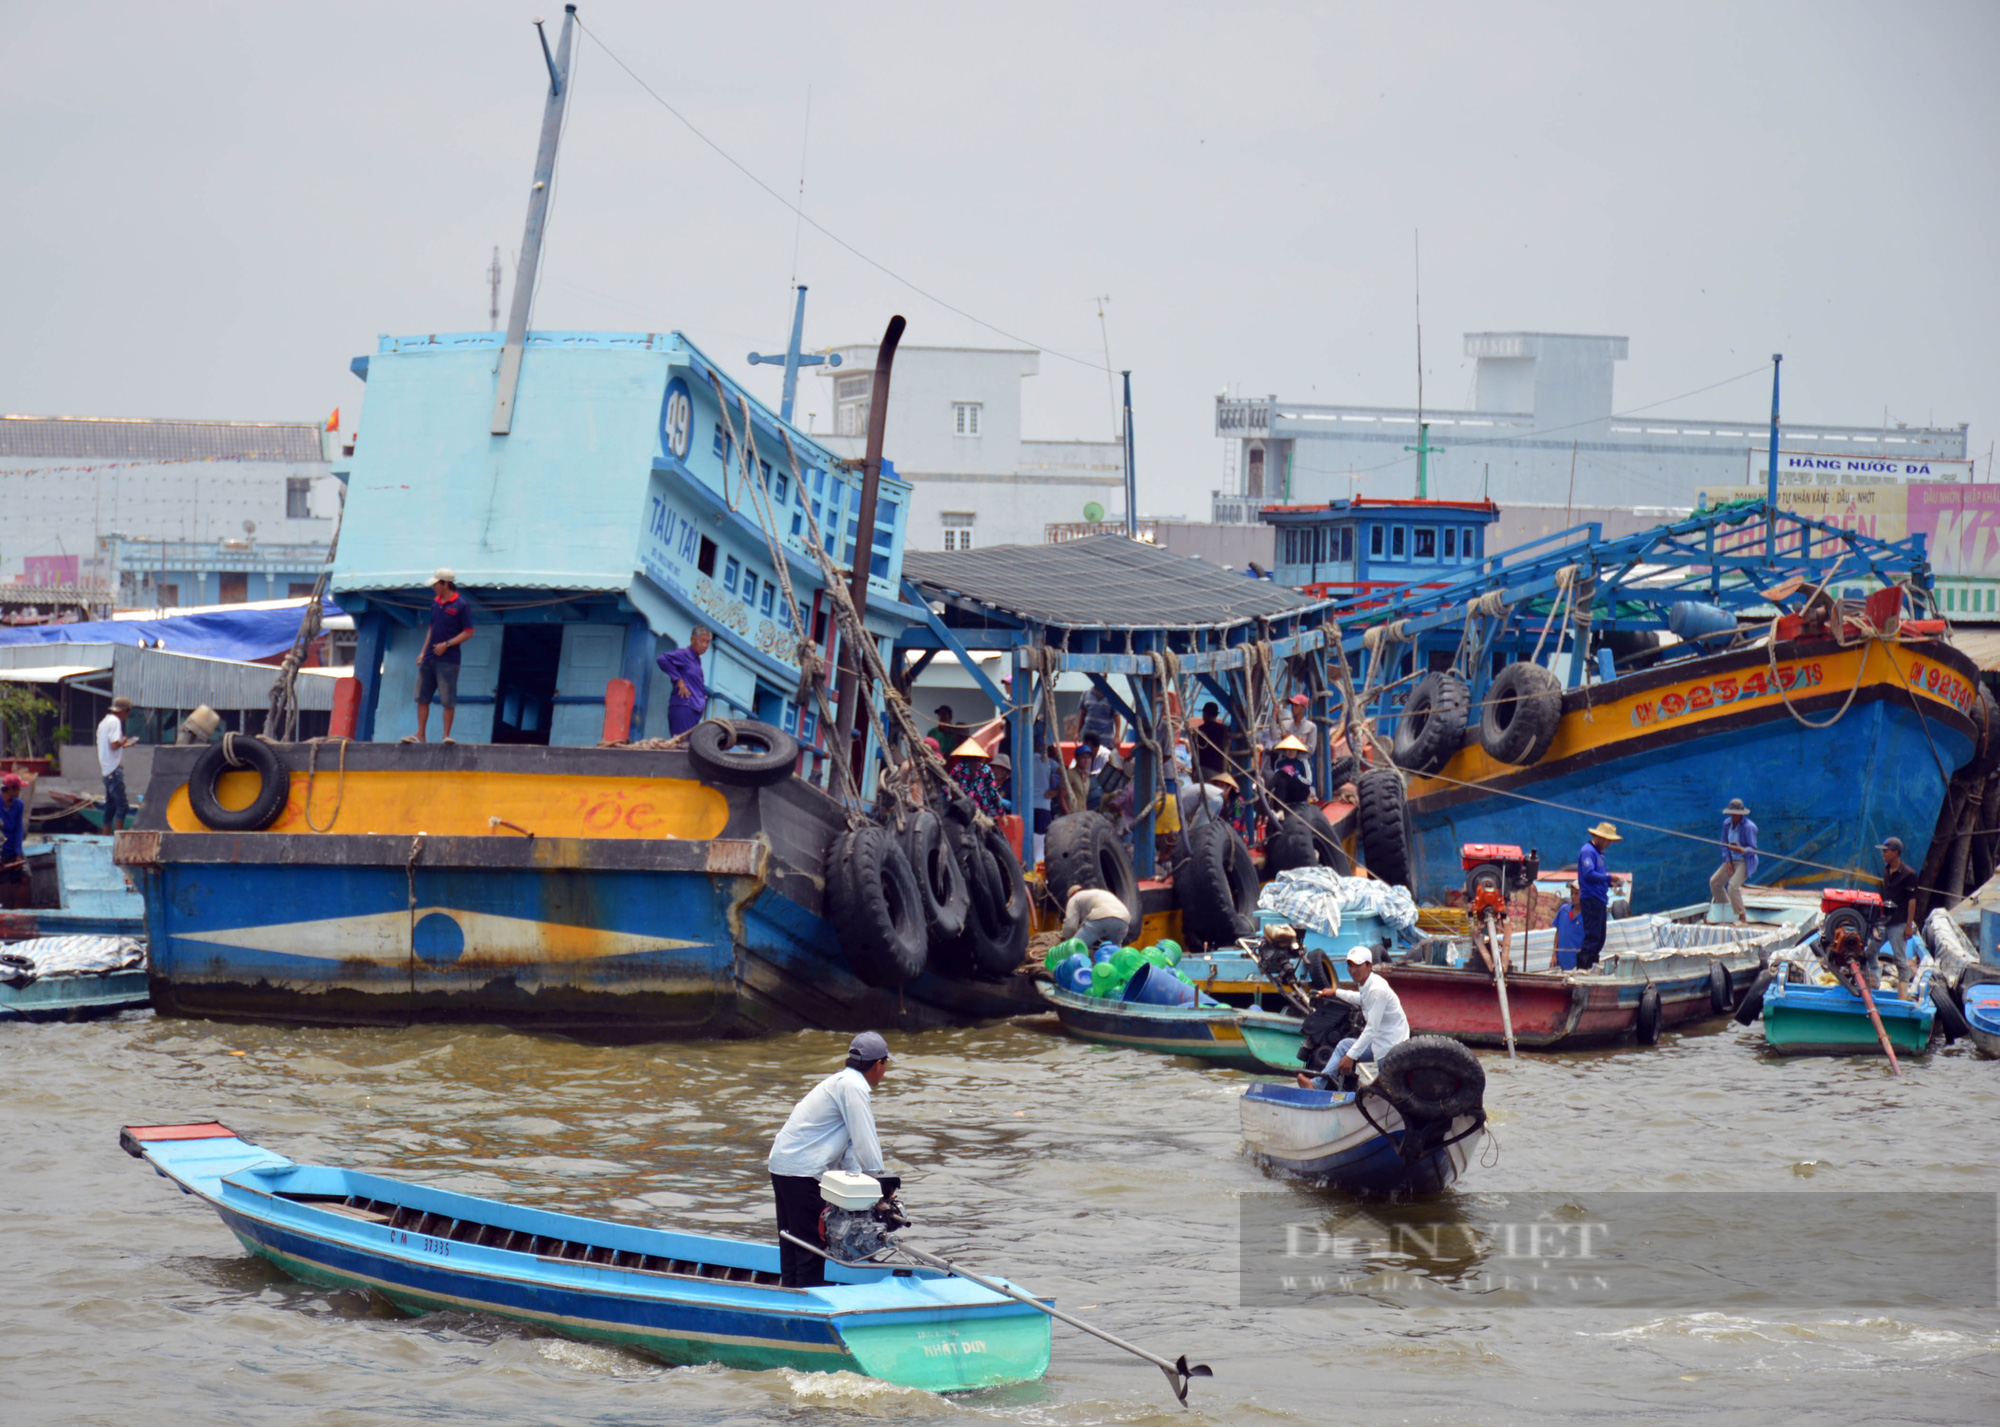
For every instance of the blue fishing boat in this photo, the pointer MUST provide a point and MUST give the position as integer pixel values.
(1210, 1032)
(686, 1298)
(86, 892)
(564, 861)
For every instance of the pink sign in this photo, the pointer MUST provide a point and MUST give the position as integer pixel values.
(1960, 525)
(46, 570)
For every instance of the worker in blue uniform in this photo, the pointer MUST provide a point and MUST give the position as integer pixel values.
(1593, 884)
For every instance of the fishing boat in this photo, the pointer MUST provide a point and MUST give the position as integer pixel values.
(1210, 1033)
(1964, 989)
(1354, 1141)
(77, 977)
(75, 889)
(559, 862)
(685, 1298)
(1743, 652)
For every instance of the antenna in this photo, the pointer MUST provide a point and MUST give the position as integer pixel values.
(798, 226)
(1417, 244)
(1110, 391)
(493, 276)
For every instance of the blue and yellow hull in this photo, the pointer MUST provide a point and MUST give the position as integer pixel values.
(646, 904)
(1660, 752)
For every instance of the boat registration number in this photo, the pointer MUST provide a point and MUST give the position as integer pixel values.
(424, 1242)
(1936, 679)
(1716, 693)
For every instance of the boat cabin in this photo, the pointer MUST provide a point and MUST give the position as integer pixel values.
(618, 513)
(1355, 546)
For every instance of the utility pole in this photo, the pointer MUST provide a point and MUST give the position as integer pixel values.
(1131, 478)
(1110, 393)
(1771, 486)
(538, 215)
(793, 359)
(493, 283)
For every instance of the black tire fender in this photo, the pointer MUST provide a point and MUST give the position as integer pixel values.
(1385, 825)
(743, 751)
(1431, 726)
(941, 883)
(1208, 884)
(1326, 844)
(1291, 844)
(1432, 1078)
(1523, 711)
(995, 940)
(1084, 850)
(1950, 1015)
(1647, 1023)
(875, 907)
(1720, 1001)
(236, 751)
(1751, 1006)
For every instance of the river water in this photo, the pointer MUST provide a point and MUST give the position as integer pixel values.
(1109, 1178)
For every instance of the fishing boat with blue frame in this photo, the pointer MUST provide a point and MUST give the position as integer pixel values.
(686, 1298)
(558, 863)
(1742, 652)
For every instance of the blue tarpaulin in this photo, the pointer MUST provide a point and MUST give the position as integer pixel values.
(222, 634)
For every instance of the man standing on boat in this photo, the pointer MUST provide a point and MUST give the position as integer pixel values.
(1593, 882)
(1898, 921)
(690, 697)
(111, 746)
(832, 1128)
(1739, 859)
(13, 825)
(1383, 1024)
(437, 661)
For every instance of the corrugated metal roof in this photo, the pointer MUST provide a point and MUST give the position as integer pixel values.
(1981, 646)
(143, 439)
(1105, 581)
(160, 678)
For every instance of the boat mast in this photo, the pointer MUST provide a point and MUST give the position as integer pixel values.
(793, 358)
(538, 213)
(1771, 477)
(854, 690)
(1131, 479)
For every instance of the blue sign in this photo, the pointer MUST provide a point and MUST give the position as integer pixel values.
(677, 420)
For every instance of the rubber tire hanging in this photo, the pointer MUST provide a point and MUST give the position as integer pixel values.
(1431, 726)
(1431, 1078)
(1215, 883)
(875, 907)
(1523, 711)
(941, 883)
(995, 940)
(238, 751)
(1084, 850)
(1385, 825)
(1647, 1022)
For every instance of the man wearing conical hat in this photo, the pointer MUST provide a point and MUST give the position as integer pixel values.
(1289, 775)
(1593, 884)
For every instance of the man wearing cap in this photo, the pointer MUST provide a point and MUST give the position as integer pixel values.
(832, 1128)
(1739, 859)
(1295, 722)
(111, 746)
(1383, 1023)
(689, 700)
(437, 661)
(1898, 922)
(949, 731)
(1593, 882)
(13, 826)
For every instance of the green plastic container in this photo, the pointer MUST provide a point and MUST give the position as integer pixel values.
(1173, 951)
(1153, 956)
(1127, 960)
(1062, 951)
(1105, 980)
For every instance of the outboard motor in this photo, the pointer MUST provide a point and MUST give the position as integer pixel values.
(860, 1213)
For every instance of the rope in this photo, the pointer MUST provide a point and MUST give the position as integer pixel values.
(281, 722)
(340, 788)
(229, 751)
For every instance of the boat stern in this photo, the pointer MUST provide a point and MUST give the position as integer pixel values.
(942, 1334)
(197, 1157)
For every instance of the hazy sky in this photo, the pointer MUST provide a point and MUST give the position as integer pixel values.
(210, 208)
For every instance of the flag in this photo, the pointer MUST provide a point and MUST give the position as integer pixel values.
(333, 421)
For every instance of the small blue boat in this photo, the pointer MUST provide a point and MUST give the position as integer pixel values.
(72, 978)
(686, 1298)
(1355, 1141)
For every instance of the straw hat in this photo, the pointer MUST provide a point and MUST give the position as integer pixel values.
(970, 749)
(1223, 779)
(1001, 762)
(1607, 832)
(1291, 744)
(1736, 808)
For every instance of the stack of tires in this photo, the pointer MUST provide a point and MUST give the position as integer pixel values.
(1215, 883)
(1304, 839)
(1084, 850)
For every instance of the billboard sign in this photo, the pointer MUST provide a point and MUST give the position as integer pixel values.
(1960, 523)
(1808, 466)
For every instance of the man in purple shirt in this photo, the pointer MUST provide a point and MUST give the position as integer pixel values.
(690, 696)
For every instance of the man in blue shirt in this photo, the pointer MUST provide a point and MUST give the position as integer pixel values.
(690, 697)
(13, 824)
(1593, 885)
(1739, 859)
(437, 661)
(1569, 930)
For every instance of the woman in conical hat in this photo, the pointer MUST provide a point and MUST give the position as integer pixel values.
(971, 767)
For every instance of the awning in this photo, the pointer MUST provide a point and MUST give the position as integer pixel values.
(49, 673)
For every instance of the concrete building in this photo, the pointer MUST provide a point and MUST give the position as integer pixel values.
(955, 435)
(1543, 415)
(146, 513)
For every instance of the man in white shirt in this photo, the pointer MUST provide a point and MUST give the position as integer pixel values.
(111, 746)
(1383, 1023)
(833, 1127)
(1096, 916)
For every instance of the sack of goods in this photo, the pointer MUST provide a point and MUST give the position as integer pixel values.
(1313, 898)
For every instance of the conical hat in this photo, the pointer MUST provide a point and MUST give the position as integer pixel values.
(970, 749)
(1291, 745)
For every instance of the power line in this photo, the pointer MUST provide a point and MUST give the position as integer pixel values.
(821, 228)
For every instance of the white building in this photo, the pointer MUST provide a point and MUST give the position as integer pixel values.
(164, 512)
(955, 435)
(1542, 432)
